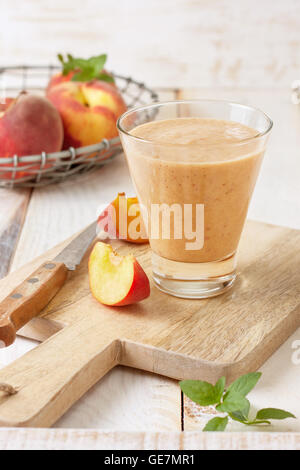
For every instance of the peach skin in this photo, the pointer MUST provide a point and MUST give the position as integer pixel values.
(116, 280)
(89, 111)
(29, 125)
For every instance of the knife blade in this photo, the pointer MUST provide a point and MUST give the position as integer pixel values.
(29, 298)
(73, 253)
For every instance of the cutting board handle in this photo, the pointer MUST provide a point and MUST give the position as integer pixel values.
(53, 376)
(29, 298)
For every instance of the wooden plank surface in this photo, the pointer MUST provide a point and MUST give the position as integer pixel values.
(140, 401)
(93, 439)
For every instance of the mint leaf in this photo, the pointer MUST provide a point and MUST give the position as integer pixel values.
(256, 422)
(69, 64)
(201, 392)
(86, 69)
(240, 416)
(233, 402)
(216, 424)
(84, 76)
(273, 413)
(245, 411)
(105, 78)
(244, 384)
(219, 387)
(97, 63)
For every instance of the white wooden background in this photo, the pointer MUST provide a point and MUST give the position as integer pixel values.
(166, 43)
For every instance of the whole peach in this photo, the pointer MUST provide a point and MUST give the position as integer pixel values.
(28, 126)
(89, 111)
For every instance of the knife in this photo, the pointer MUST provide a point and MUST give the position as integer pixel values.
(32, 295)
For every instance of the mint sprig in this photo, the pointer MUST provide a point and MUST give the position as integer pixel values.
(231, 401)
(86, 69)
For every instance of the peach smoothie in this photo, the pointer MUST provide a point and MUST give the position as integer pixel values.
(194, 165)
(213, 173)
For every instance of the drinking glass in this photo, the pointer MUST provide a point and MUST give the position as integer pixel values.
(195, 195)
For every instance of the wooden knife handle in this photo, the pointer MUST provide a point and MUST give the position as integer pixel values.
(29, 299)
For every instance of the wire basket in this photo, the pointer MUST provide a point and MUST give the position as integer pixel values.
(44, 169)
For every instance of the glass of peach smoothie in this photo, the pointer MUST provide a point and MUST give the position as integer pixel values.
(194, 165)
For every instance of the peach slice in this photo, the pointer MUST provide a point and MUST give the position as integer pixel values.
(116, 280)
(133, 229)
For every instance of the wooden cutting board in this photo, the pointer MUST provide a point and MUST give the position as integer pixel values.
(185, 339)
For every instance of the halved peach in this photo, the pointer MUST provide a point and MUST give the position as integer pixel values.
(124, 215)
(114, 279)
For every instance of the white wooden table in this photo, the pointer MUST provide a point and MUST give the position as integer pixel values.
(127, 400)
